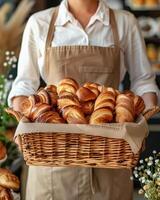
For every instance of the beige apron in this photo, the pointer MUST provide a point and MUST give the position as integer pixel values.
(83, 63)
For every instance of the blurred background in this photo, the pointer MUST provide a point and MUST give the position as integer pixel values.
(13, 16)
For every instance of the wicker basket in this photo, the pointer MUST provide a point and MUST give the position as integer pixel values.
(69, 149)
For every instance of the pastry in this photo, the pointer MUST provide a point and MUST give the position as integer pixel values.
(125, 111)
(3, 151)
(87, 107)
(50, 117)
(74, 115)
(51, 88)
(5, 194)
(44, 96)
(68, 101)
(66, 88)
(139, 105)
(105, 100)
(84, 94)
(101, 116)
(38, 109)
(15, 114)
(70, 81)
(9, 180)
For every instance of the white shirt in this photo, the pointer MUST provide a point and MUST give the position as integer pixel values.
(68, 31)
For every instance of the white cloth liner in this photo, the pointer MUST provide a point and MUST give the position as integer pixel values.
(133, 133)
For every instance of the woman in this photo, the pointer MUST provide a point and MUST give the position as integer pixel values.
(89, 42)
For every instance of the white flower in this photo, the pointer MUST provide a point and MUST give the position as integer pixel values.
(14, 66)
(131, 178)
(154, 151)
(157, 161)
(10, 76)
(136, 175)
(150, 158)
(5, 64)
(7, 53)
(12, 53)
(149, 172)
(141, 191)
(150, 163)
(146, 159)
(14, 59)
(141, 161)
(154, 175)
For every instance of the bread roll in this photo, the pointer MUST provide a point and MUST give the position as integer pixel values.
(87, 107)
(44, 96)
(70, 81)
(9, 180)
(105, 100)
(5, 194)
(3, 151)
(125, 111)
(66, 101)
(84, 94)
(15, 114)
(101, 116)
(66, 88)
(38, 109)
(139, 105)
(50, 117)
(51, 88)
(74, 115)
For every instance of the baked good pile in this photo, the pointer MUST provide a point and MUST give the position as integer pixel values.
(8, 182)
(73, 104)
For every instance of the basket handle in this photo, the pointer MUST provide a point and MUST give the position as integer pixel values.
(151, 112)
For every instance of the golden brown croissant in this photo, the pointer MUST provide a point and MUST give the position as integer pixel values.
(66, 88)
(70, 81)
(125, 111)
(44, 96)
(74, 115)
(93, 87)
(9, 180)
(50, 117)
(38, 109)
(139, 105)
(129, 93)
(87, 107)
(105, 100)
(68, 101)
(15, 114)
(84, 94)
(51, 88)
(5, 194)
(3, 151)
(101, 116)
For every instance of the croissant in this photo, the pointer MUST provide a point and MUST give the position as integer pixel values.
(70, 81)
(44, 96)
(68, 101)
(66, 88)
(129, 93)
(50, 117)
(87, 107)
(105, 100)
(84, 94)
(74, 115)
(51, 88)
(38, 109)
(139, 105)
(93, 87)
(104, 89)
(101, 116)
(125, 111)
(15, 114)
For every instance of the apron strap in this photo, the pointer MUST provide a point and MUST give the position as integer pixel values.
(53, 20)
(114, 27)
(52, 28)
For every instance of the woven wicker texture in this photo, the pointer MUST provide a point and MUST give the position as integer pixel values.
(59, 149)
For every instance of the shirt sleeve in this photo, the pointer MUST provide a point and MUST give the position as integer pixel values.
(141, 75)
(28, 76)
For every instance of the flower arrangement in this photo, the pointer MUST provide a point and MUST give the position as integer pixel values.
(5, 84)
(148, 174)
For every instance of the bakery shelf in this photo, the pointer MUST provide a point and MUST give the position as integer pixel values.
(141, 8)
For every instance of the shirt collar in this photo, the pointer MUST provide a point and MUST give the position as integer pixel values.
(64, 16)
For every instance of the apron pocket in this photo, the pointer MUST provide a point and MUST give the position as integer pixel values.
(97, 74)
